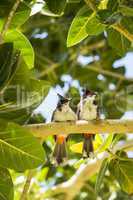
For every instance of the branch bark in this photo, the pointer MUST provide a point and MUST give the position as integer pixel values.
(94, 127)
(71, 187)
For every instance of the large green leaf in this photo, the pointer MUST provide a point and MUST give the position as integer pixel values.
(123, 172)
(21, 43)
(8, 63)
(118, 42)
(23, 95)
(101, 175)
(85, 23)
(6, 185)
(19, 150)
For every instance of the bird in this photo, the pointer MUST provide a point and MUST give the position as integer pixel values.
(62, 113)
(88, 110)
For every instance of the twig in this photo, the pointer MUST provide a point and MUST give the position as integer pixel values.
(108, 73)
(26, 186)
(10, 16)
(123, 31)
(94, 127)
(97, 45)
(90, 4)
(48, 70)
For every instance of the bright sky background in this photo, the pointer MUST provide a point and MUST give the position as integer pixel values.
(50, 102)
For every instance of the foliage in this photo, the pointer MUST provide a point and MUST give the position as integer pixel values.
(40, 42)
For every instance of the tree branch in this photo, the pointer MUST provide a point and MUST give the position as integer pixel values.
(26, 186)
(123, 31)
(93, 127)
(72, 187)
(10, 16)
(108, 73)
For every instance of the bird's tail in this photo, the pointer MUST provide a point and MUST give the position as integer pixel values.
(60, 150)
(87, 145)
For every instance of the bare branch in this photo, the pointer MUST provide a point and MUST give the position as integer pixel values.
(94, 127)
(108, 73)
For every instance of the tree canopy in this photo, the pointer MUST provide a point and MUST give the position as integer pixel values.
(65, 46)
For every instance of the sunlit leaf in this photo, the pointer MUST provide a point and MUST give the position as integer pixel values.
(85, 23)
(19, 150)
(106, 144)
(123, 172)
(21, 43)
(6, 185)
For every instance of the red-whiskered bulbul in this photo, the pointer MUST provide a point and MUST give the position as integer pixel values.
(88, 110)
(62, 113)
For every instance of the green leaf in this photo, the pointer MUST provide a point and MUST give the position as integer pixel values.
(85, 23)
(21, 15)
(6, 51)
(101, 174)
(99, 139)
(56, 6)
(19, 150)
(77, 148)
(107, 17)
(6, 185)
(118, 42)
(21, 43)
(106, 144)
(123, 172)
(31, 92)
(8, 63)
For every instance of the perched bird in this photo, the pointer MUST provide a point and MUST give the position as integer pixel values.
(62, 113)
(88, 110)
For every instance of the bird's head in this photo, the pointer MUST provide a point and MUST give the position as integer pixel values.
(63, 100)
(93, 96)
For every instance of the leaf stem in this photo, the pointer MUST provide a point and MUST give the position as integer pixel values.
(10, 16)
(123, 31)
(26, 186)
(90, 4)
